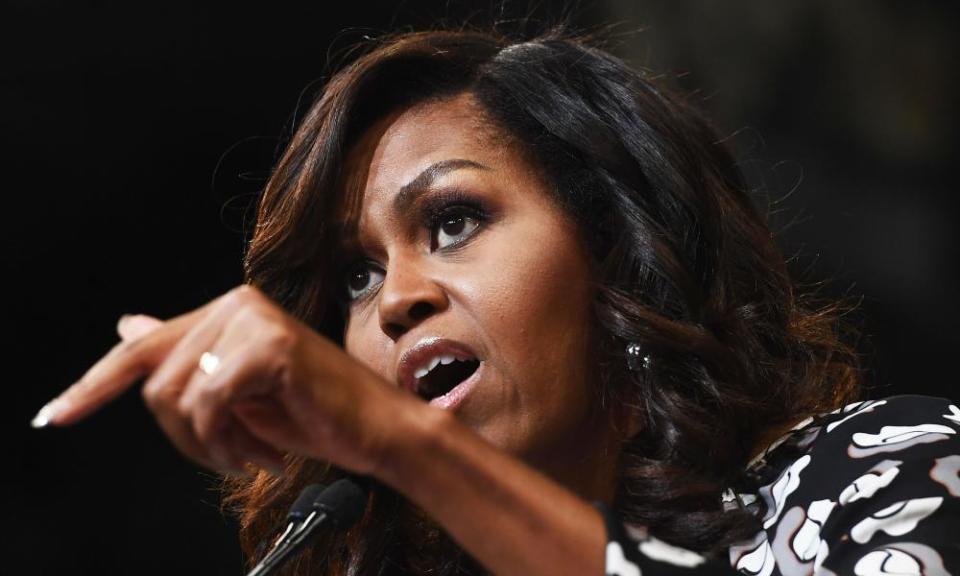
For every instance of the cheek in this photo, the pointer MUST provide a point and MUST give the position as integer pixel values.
(548, 299)
(360, 342)
(536, 314)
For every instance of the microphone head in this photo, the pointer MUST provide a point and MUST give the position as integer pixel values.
(303, 505)
(344, 501)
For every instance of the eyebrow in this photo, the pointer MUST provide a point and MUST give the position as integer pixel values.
(410, 191)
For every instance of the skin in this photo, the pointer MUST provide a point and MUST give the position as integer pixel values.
(509, 474)
(515, 288)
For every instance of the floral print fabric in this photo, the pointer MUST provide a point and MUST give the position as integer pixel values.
(870, 489)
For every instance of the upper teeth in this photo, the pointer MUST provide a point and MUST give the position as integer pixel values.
(420, 373)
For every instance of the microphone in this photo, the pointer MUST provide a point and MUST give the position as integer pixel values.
(299, 511)
(342, 504)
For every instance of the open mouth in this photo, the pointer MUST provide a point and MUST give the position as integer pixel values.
(443, 378)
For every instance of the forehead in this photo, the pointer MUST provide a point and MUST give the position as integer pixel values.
(397, 148)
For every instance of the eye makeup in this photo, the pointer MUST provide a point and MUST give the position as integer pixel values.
(443, 206)
(429, 212)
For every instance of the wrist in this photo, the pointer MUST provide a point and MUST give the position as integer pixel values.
(417, 434)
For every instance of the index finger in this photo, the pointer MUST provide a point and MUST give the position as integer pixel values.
(125, 364)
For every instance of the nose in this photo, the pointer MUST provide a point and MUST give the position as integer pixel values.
(408, 296)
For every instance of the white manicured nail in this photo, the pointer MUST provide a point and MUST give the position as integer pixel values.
(47, 413)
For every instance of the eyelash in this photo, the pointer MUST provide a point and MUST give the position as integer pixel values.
(431, 214)
(442, 205)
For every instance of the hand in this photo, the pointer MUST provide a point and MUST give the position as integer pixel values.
(279, 387)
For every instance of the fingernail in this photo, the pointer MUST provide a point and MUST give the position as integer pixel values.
(123, 320)
(47, 413)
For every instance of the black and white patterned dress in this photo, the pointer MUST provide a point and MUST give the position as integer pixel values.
(871, 489)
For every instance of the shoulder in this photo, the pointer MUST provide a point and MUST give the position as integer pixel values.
(867, 488)
(839, 446)
(859, 482)
(862, 444)
(908, 426)
(894, 410)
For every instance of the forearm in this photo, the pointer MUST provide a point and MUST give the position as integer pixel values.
(510, 517)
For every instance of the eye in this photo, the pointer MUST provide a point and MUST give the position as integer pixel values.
(454, 225)
(362, 278)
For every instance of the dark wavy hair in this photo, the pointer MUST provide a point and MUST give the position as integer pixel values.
(686, 266)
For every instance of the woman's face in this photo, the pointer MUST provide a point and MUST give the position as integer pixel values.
(461, 254)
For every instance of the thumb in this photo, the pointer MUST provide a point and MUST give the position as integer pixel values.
(133, 326)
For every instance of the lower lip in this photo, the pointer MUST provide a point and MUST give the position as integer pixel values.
(452, 399)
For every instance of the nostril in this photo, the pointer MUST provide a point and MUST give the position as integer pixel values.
(420, 310)
(394, 330)
(397, 326)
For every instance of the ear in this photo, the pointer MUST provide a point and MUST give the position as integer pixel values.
(632, 419)
(627, 419)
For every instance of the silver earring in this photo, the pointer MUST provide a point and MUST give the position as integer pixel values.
(637, 359)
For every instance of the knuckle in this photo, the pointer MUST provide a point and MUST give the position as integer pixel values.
(233, 299)
(261, 319)
(151, 396)
(206, 434)
(128, 347)
(247, 314)
(133, 354)
(157, 396)
(279, 340)
(139, 365)
(244, 293)
(213, 392)
(182, 409)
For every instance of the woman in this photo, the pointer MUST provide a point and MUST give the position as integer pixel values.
(523, 288)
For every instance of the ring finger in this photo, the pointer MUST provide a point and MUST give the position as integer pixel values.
(163, 389)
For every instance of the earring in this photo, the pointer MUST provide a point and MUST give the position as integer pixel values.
(637, 360)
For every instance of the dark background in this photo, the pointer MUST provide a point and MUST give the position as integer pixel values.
(135, 136)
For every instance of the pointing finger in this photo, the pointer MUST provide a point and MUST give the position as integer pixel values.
(131, 327)
(127, 362)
